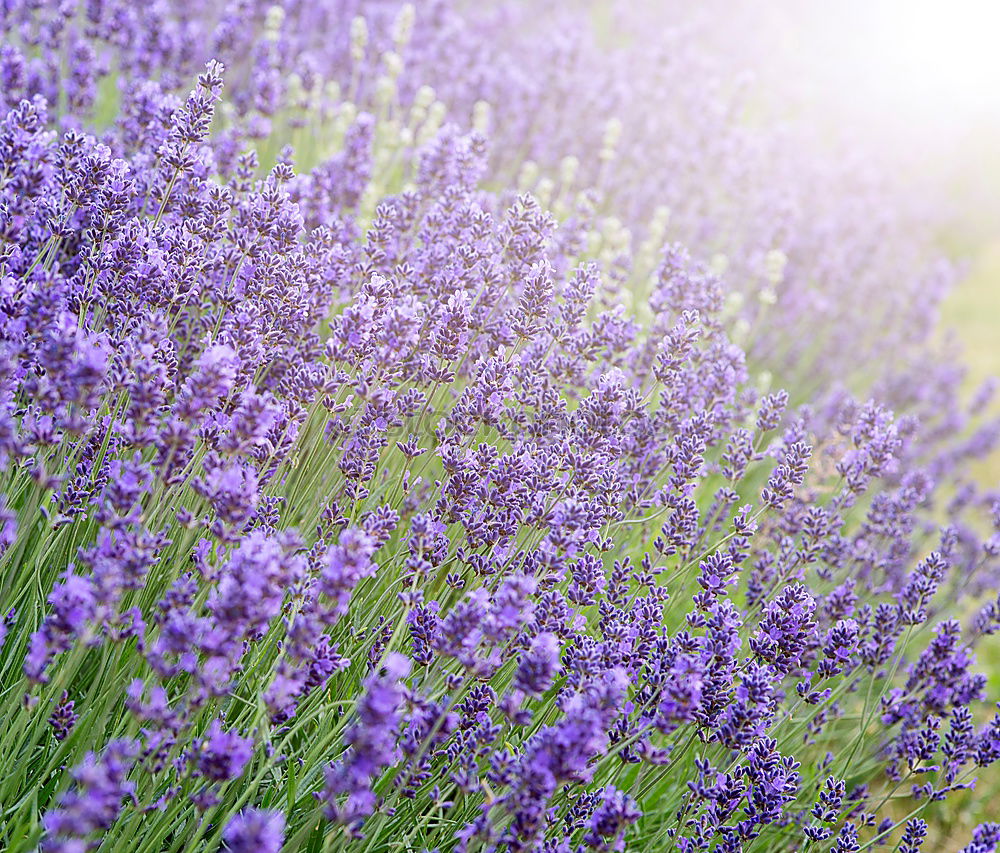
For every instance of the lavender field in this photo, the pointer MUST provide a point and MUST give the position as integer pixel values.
(495, 426)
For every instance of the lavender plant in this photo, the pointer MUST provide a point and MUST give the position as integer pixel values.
(355, 497)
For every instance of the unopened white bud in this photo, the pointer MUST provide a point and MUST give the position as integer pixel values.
(346, 113)
(383, 153)
(718, 264)
(436, 114)
(615, 236)
(359, 38)
(393, 64)
(273, 19)
(593, 241)
(612, 132)
(568, 168)
(424, 97)
(385, 90)
(369, 196)
(610, 140)
(432, 123)
(625, 239)
(735, 301)
(584, 203)
(402, 27)
(610, 226)
(481, 112)
(546, 186)
(296, 91)
(331, 91)
(774, 266)
(314, 101)
(527, 176)
(767, 296)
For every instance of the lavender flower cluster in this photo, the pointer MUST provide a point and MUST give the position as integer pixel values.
(392, 455)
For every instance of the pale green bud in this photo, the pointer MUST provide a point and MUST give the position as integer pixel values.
(346, 113)
(612, 132)
(774, 266)
(402, 27)
(481, 111)
(273, 20)
(331, 91)
(718, 264)
(359, 38)
(528, 175)
(568, 168)
(424, 97)
(546, 186)
(734, 302)
(436, 114)
(393, 64)
(385, 90)
(296, 91)
(611, 138)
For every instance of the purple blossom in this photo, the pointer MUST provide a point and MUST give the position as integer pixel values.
(221, 755)
(346, 564)
(63, 717)
(371, 743)
(612, 817)
(72, 607)
(213, 377)
(101, 786)
(255, 831)
(538, 665)
(413, 387)
(914, 834)
(785, 629)
(985, 838)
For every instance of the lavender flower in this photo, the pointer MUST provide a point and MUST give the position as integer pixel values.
(372, 746)
(255, 831)
(538, 665)
(221, 755)
(298, 378)
(101, 785)
(985, 838)
(610, 819)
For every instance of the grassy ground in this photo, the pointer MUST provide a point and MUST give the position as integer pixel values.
(973, 313)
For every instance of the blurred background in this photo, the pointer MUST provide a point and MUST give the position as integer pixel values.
(917, 82)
